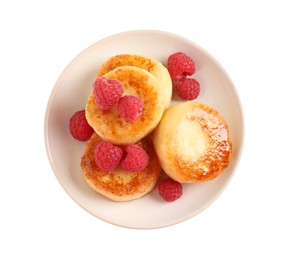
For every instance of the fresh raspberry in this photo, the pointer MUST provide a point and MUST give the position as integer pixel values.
(188, 88)
(136, 158)
(79, 127)
(180, 65)
(107, 156)
(130, 108)
(170, 189)
(107, 92)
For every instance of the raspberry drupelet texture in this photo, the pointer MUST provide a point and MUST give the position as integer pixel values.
(130, 108)
(107, 92)
(136, 158)
(170, 190)
(107, 156)
(79, 127)
(180, 65)
(188, 88)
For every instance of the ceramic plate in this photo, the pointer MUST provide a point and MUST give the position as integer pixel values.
(70, 94)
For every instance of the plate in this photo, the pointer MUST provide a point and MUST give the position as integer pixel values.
(70, 94)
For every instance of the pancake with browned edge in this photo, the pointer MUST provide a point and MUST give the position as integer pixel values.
(109, 125)
(120, 185)
(155, 67)
(192, 142)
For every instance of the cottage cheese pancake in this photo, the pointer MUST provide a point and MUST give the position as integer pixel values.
(109, 125)
(120, 185)
(153, 66)
(192, 142)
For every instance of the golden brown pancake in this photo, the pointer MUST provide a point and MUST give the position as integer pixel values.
(153, 66)
(109, 125)
(192, 142)
(120, 185)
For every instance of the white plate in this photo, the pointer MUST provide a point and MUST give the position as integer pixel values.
(70, 94)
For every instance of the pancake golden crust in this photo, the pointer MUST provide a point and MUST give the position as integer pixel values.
(156, 68)
(109, 125)
(128, 60)
(193, 142)
(120, 185)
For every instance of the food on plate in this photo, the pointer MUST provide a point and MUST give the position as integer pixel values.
(119, 184)
(130, 108)
(188, 88)
(170, 190)
(155, 67)
(180, 65)
(79, 127)
(107, 92)
(192, 142)
(133, 133)
(113, 127)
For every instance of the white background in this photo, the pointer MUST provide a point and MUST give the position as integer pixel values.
(38, 220)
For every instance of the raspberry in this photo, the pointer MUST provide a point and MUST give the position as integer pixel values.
(79, 127)
(107, 156)
(170, 189)
(130, 108)
(107, 92)
(188, 88)
(136, 158)
(180, 65)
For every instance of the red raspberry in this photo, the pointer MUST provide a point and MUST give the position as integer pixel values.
(170, 189)
(130, 108)
(107, 92)
(136, 158)
(180, 65)
(79, 127)
(188, 88)
(107, 156)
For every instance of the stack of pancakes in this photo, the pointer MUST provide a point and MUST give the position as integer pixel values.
(190, 140)
(149, 80)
